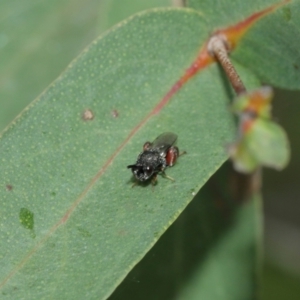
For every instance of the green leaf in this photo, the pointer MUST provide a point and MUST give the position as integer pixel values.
(242, 158)
(268, 144)
(114, 11)
(225, 13)
(265, 144)
(38, 39)
(65, 159)
(260, 141)
(256, 102)
(229, 270)
(271, 47)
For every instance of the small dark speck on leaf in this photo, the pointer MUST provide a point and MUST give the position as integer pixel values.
(9, 187)
(115, 113)
(26, 218)
(87, 115)
(296, 66)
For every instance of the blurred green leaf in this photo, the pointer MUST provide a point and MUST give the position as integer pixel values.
(229, 269)
(279, 284)
(256, 103)
(260, 141)
(114, 11)
(268, 143)
(38, 39)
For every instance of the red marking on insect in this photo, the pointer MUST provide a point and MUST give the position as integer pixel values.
(171, 156)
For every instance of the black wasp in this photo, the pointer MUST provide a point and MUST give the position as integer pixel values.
(156, 157)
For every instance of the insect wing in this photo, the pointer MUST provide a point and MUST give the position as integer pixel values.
(163, 142)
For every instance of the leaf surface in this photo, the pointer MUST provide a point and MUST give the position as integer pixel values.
(38, 39)
(270, 47)
(219, 14)
(63, 162)
(90, 226)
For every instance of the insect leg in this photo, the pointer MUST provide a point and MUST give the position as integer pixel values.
(183, 152)
(154, 180)
(134, 184)
(166, 176)
(147, 146)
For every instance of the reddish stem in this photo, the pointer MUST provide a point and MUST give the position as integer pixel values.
(218, 47)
